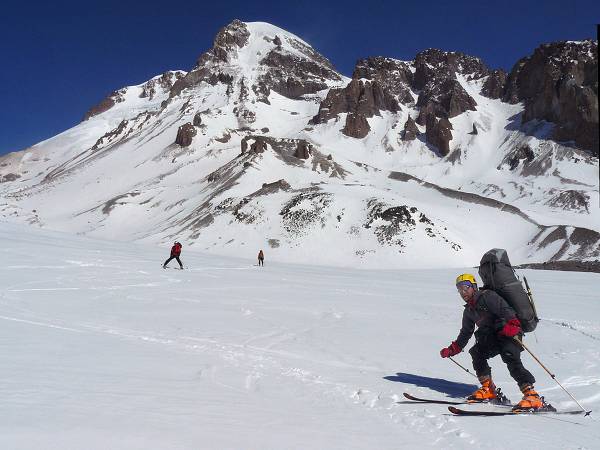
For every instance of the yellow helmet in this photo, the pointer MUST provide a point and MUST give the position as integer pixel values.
(466, 278)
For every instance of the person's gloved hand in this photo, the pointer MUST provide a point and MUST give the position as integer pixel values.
(451, 350)
(510, 328)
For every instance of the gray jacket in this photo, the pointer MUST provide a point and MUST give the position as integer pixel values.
(490, 312)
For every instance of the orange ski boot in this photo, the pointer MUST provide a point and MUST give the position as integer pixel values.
(486, 393)
(531, 399)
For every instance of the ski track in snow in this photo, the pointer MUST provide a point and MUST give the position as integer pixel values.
(322, 339)
(258, 361)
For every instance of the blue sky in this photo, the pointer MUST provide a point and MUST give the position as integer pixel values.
(60, 58)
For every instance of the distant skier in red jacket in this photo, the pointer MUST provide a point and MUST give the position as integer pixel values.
(261, 258)
(175, 252)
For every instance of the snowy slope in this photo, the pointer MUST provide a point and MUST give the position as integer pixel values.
(104, 349)
(376, 201)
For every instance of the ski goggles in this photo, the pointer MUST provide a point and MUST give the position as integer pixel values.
(464, 285)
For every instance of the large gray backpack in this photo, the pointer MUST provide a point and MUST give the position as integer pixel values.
(497, 274)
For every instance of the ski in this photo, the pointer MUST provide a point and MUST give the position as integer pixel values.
(462, 412)
(426, 400)
(449, 402)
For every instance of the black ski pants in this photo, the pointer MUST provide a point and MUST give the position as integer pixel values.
(261, 261)
(488, 345)
(171, 258)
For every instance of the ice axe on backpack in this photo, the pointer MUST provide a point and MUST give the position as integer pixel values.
(516, 338)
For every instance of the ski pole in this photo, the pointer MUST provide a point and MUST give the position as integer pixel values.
(587, 413)
(463, 368)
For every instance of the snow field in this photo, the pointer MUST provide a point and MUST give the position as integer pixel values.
(104, 349)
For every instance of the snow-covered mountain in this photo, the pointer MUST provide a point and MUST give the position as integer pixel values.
(263, 144)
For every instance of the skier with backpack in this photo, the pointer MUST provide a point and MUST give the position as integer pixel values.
(500, 321)
(175, 252)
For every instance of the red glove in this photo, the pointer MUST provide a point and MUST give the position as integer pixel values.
(510, 328)
(451, 350)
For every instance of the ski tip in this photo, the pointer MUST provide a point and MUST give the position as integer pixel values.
(453, 410)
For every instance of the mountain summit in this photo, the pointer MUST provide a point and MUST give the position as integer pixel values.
(263, 144)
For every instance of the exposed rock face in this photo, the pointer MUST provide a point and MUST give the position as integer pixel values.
(110, 136)
(474, 131)
(523, 153)
(570, 200)
(298, 148)
(394, 76)
(164, 82)
(106, 104)
(185, 134)
(197, 119)
(209, 66)
(359, 98)
(432, 63)
(259, 145)
(293, 76)
(356, 126)
(445, 98)
(9, 177)
(235, 35)
(438, 134)
(276, 186)
(303, 150)
(411, 131)
(493, 86)
(441, 93)
(559, 83)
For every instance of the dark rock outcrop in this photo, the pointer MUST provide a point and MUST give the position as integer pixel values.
(559, 83)
(106, 104)
(293, 76)
(235, 35)
(570, 200)
(197, 119)
(522, 153)
(164, 82)
(356, 126)
(185, 134)
(445, 98)
(209, 66)
(411, 131)
(303, 150)
(433, 64)
(359, 98)
(569, 266)
(9, 177)
(441, 93)
(438, 134)
(394, 76)
(493, 86)
(276, 186)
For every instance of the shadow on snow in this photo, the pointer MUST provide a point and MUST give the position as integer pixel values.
(450, 388)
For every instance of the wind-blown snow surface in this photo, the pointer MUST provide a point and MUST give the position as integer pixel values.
(101, 348)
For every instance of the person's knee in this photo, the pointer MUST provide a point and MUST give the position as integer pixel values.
(475, 352)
